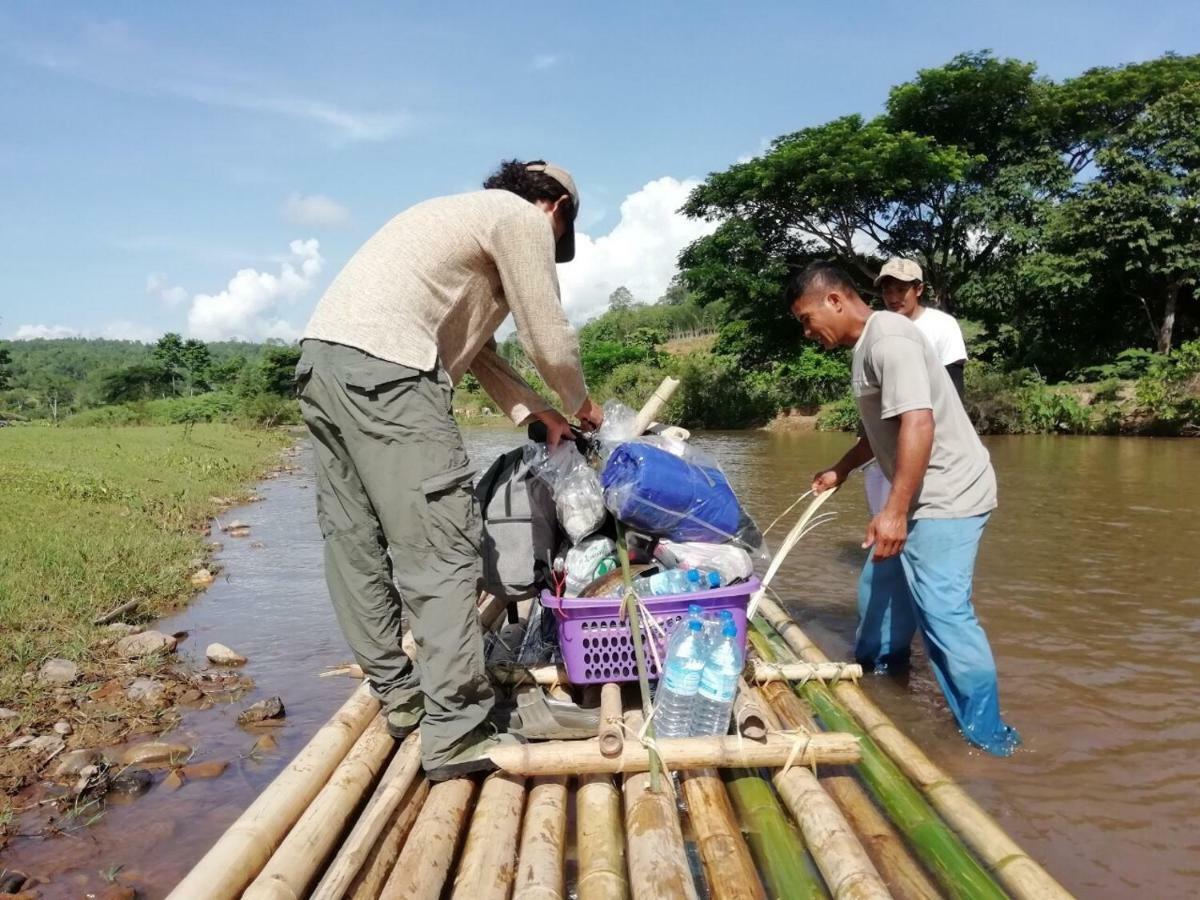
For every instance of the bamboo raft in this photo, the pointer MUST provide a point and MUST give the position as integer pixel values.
(816, 794)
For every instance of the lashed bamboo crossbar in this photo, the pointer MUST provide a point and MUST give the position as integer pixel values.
(585, 757)
(1020, 875)
(294, 867)
(395, 785)
(759, 671)
(242, 851)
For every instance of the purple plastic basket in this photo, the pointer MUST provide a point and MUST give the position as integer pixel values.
(596, 645)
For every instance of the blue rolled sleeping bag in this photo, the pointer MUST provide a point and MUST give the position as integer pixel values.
(657, 492)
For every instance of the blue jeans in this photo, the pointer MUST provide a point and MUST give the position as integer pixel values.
(928, 585)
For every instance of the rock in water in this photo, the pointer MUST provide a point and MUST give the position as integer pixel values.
(156, 752)
(145, 644)
(202, 578)
(58, 671)
(173, 781)
(271, 708)
(212, 768)
(133, 781)
(220, 655)
(147, 691)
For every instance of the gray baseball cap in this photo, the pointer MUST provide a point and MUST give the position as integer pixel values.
(564, 251)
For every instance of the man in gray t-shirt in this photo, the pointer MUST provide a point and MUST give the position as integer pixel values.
(925, 539)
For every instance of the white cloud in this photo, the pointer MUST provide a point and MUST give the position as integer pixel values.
(158, 286)
(315, 210)
(34, 332)
(113, 331)
(252, 305)
(640, 252)
(546, 61)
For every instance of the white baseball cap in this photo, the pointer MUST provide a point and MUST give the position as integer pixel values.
(901, 269)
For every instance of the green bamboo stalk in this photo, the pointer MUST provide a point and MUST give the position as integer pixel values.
(935, 844)
(630, 606)
(775, 844)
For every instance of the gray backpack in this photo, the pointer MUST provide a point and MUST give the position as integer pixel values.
(520, 528)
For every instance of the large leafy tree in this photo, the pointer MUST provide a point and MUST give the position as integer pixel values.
(1135, 227)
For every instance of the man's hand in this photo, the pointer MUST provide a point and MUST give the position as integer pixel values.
(887, 533)
(557, 428)
(590, 415)
(827, 481)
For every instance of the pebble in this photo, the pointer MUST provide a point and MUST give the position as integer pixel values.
(147, 691)
(144, 644)
(23, 741)
(8, 714)
(266, 743)
(11, 882)
(133, 781)
(58, 671)
(173, 781)
(156, 752)
(271, 708)
(119, 892)
(191, 695)
(64, 728)
(220, 655)
(74, 762)
(202, 578)
(122, 629)
(212, 768)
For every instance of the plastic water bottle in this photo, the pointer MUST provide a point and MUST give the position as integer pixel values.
(694, 582)
(676, 694)
(714, 579)
(718, 685)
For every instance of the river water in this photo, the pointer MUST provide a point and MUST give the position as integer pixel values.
(1086, 583)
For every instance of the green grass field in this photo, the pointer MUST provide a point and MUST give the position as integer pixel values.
(91, 517)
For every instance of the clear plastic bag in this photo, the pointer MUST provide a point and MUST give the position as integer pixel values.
(591, 558)
(732, 562)
(619, 424)
(676, 492)
(578, 497)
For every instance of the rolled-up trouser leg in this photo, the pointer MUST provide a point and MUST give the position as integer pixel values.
(886, 617)
(939, 562)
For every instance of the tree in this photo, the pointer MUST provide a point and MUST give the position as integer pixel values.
(621, 300)
(1137, 223)
(141, 381)
(5, 369)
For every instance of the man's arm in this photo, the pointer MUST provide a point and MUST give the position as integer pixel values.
(888, 531)
(856, 456)
(505, 385)
(523, 250)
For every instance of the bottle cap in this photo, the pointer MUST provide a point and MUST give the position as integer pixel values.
(730, 630)
(714, 579)
(726, 615)
(697, 625)
(695, 609)
(693, 575)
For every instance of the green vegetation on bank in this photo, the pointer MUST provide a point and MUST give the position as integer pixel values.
(90, 518)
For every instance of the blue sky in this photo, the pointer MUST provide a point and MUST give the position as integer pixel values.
(208, 167)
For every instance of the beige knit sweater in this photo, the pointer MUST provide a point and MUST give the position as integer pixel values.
(435, 283)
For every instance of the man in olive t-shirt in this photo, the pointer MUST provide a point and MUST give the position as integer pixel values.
(943, 489)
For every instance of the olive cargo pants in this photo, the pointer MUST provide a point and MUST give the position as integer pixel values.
(392, 474)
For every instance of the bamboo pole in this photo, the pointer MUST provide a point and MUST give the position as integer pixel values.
(543, 842)
(748, 713)
(239, 854)
(662, 394)
(728, 865)
(489, 858)
(612, 735)
(630, 606)
(658, 866)
(394, 786)
(1021, 876)
(723, 752)
(844, 863)
(940, 849)
(294, 866)
(901, 873)
(600, 840)
(428, 854)
(773, 840)
(760, 673)
(369, 881)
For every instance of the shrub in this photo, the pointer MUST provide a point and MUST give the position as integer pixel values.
(840, 415)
